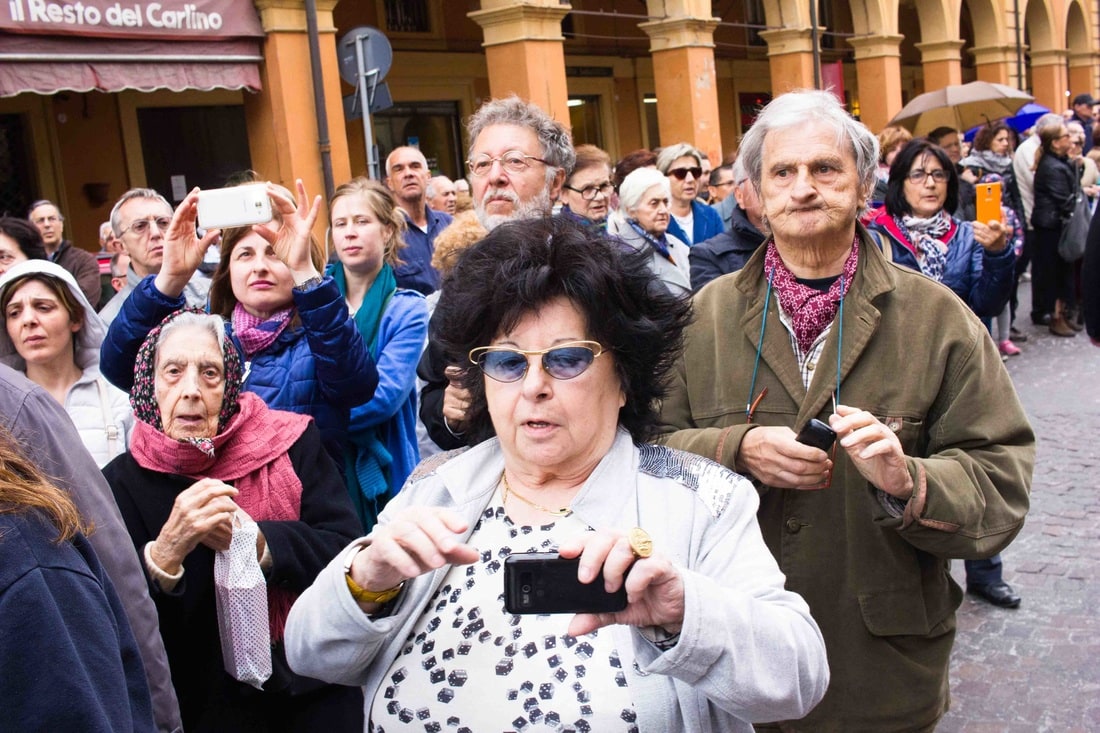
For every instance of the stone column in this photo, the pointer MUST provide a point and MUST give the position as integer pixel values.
(995, 64)
(878, 78)
(282, 119)
(524, 52)
(1083, 72)
(685, 78)
(791, 58)
(1048, 78)
(942, 63)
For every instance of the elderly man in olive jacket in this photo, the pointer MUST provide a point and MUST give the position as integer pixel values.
(934, 455)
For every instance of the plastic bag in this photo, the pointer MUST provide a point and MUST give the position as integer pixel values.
(241, 596)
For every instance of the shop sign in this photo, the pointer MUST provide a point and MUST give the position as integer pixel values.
(194, 19)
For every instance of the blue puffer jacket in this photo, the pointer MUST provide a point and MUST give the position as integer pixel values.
(984, 281)
(320, 368)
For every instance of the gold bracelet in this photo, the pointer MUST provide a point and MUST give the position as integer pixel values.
(371, 596)
(360, 593)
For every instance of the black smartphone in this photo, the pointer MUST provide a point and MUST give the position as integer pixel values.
(817, 434)
(544, 582)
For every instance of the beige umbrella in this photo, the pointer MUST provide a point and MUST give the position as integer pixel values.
(960, 106)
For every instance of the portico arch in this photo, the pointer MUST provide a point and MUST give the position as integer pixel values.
(1048, 55)
(1083, 58)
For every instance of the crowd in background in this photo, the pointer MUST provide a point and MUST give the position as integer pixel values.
(238, 377)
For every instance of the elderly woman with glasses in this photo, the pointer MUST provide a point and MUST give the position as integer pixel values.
(569, 344)
(588, 193)
(974, 259)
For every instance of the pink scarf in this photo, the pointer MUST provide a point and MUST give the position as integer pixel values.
(256, 334)
(269, 488)
(810, 310)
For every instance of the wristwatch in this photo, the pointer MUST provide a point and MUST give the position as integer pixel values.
(309, 284)
(360, 593)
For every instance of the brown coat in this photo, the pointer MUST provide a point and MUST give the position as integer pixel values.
(878, 585)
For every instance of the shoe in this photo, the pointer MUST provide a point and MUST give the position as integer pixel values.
(1040, 319)
(1000, 594)
(1059, 327)
(1017, 335)
(1008, 348)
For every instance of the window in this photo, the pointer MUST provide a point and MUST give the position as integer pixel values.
(408, 16)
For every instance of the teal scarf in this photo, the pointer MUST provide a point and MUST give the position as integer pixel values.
(367, 461)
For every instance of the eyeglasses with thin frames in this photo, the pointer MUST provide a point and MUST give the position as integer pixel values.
(513, 161)
(141, 226)
(919, 176)
(565, 361)
(589, 192)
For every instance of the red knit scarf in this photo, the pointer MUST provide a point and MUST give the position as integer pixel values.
(251, 454)
(810, 310)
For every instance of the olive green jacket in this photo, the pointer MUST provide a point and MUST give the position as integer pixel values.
(916, 357)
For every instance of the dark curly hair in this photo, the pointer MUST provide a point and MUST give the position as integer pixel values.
(521, 266)
(24, 234)
(896, 203)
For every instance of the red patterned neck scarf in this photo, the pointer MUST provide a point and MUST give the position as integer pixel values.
(811, 311)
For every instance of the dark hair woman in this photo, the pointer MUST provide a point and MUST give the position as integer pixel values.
(19, 241)
(569, 340)
(972, 258)
(303, 351)
(1056, 183)
(70, 661)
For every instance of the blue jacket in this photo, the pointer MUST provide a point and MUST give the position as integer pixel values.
(706, 223)
(69, 658)
(984, 281)
(320, 367)
(401, 338)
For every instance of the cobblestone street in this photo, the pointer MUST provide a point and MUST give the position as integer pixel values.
(1037, 668)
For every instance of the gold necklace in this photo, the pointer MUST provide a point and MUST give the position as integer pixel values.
(562, 512)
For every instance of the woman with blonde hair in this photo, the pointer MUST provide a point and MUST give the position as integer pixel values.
(366, 228)
(70, 658)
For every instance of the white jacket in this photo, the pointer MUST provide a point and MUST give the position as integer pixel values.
(748, 650)
(100, 411)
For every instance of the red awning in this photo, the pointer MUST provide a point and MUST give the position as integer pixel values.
(45, 65)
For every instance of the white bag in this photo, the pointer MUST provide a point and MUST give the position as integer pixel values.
(241, 594)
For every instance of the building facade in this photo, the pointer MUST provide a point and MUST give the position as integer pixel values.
(88, 110)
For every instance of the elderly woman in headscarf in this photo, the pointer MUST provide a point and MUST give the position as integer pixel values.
(568, 345)
(202, 452)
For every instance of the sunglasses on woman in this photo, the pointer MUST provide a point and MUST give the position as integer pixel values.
(681, 173)
(505, 364)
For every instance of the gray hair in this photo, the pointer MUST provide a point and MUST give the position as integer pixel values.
(1050, 119)
(740, 175)
(430, 192)
(555, 141)
(672, 152)
(802, 106)
(634, 186)
(212, 324)
(133, 193)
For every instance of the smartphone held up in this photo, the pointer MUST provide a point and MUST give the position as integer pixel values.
(235, 206)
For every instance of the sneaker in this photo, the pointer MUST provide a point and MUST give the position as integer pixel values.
(1008, 348)
(1017, 335)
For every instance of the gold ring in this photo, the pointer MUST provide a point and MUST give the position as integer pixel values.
(640, 543)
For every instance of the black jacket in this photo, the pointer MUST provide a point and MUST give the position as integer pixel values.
(726, 252)
(1055, 189)
(188, 617)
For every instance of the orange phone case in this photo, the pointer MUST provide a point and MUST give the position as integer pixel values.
(989, 202)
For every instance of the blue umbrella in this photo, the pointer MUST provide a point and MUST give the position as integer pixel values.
(1022, 120)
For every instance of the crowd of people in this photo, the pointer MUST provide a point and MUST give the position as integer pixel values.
(610, 361)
